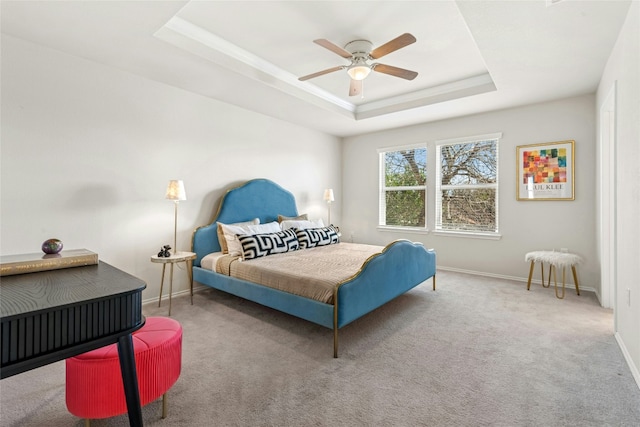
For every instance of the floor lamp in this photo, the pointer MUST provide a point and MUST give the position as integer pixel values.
(175, 192)
(328, 197)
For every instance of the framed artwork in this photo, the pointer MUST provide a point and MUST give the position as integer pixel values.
(545, 171)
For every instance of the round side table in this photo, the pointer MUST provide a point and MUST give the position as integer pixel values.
(178, 257)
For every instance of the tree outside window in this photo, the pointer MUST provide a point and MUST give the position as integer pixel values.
(467, 186)
(403, 187)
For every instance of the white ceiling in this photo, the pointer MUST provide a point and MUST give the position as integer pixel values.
(471, 56)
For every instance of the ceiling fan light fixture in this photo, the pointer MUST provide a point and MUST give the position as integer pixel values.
(358, 71)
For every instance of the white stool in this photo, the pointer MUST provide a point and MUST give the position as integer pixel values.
(554, 259)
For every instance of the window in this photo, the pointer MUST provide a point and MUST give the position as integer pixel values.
(467, 184)
(403, 185)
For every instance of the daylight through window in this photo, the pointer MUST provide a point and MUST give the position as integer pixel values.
(467, 185)
(403, 180)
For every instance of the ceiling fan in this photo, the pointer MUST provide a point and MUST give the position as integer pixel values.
(360, 52)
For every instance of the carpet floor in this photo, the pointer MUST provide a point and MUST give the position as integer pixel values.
(476, 352)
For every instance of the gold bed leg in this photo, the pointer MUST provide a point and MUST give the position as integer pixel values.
(434, 282)
(335, 323)
(575, 278)
(530, 274)
(164, 406)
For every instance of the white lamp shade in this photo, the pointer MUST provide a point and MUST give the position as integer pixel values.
(358, 72)
(328, 195)
(175, 190)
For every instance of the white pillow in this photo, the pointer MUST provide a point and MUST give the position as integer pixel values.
(229, 243)
(301, 224)
(270, 227)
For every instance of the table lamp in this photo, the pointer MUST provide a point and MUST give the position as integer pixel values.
(175, 192)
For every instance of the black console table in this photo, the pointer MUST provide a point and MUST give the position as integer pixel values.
(53, 315)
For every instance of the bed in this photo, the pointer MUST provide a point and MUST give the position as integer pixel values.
(384, 275)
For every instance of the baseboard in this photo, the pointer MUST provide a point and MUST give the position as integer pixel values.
(627, 357)
(501, 276)
(175, 294)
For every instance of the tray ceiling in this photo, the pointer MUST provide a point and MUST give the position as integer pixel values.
(470, 56)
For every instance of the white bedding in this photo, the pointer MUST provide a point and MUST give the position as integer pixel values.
(209, 262)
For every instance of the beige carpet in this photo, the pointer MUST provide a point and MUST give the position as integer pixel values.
(476, 352)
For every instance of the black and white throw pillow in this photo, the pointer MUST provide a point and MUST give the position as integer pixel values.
(312, 237)
(259, 245)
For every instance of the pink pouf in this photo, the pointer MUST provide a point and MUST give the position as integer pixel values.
(94, 386)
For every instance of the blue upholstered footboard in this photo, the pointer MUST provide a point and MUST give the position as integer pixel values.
(401, 266)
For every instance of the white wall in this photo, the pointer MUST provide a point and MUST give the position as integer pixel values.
(524, 225)
(623, 68)
(87, 152)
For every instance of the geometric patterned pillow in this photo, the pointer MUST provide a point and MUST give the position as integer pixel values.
(312, 237)
(259, 245)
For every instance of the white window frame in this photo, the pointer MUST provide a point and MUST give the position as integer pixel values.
(439, 187)
(382, 207)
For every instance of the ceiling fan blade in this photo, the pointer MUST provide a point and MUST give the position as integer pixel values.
(320, 73)
(355, 88)
(395, 44)
(395, 71)
(333, 48)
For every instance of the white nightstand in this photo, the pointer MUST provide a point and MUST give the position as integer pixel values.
(187, 258)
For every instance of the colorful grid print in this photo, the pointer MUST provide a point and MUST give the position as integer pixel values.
(549, 165)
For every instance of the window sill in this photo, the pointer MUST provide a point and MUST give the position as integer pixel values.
(417, 230)
(469, 235)
(420, 230)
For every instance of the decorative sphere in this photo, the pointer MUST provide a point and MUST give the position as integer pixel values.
(52, 246)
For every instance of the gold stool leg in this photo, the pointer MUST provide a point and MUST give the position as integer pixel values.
(530, 274)
(164, 406)
(575, 278)
(434, 282)
(556, 283)
(87, 422)
(549, 281)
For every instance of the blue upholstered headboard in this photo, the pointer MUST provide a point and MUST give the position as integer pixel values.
(258, 198)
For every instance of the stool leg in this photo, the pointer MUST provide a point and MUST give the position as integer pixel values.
(530, 274)
(164, 406)
(549, 281)
(575, 278)
(87, 422)
(555, 281)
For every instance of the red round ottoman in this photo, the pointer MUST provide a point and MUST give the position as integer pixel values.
(94, 386)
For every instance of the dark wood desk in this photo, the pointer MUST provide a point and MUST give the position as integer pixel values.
(53, 315)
